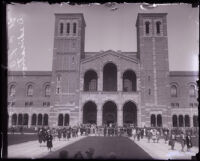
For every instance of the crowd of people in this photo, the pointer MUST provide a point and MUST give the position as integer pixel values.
(170, 136)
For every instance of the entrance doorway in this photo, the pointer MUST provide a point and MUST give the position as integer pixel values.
(109, 113)
(90, 113)
(130, 113)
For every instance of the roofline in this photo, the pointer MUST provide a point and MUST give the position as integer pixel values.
(184, 73)
(29, 73)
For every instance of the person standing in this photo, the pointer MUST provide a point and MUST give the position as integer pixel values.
(134, 133)
(165, 136)
(188, 141)
(172, 140)
(158, 135)
(59, 134)
(49, 140)
(182, 141)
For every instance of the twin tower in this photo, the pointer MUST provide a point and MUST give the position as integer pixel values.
(150, 65)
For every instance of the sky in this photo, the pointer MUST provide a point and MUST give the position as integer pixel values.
(31, 32)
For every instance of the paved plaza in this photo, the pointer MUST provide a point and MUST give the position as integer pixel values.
(122, 147)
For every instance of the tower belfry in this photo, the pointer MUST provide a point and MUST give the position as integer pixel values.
(68, 50)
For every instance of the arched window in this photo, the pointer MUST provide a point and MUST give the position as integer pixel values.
(147, 26)
(195, 121)
(14, 119)
(129, 81)
(66, 123)
(174, 121)
(180, 120)
(47, 90)
(34, 119)
(68, 28)
(159, 120)
(90, 81)
(40, 119)
(45, 121)
(25, 120)
(110, 77)
(187, 121)
(20, 119)
(61, 28)
(158, 27)
(60, 120)
(12, 90)
(192, 91)
(30, 90)
(153, 120)
(173, 91)
(74, 28)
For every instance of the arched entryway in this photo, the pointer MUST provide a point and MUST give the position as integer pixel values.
(60, 120)
(34, 120)
(25, 120)
(110, 77)
(109, 113)
(130, 113)
(14, 119)
(45, 121)
(174, 121)
(90, 113)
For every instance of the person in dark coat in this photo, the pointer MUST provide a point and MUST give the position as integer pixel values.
(49, 141)
(64, 134)
(40, 136)
(68, 134)
(172, 140)
(188, 141)
(59, 134)
(104, 131)
(78, 155)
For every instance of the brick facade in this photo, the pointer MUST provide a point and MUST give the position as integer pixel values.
(142, 79)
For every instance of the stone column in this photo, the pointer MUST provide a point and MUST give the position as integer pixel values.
(119, 81)
(191, 121)
(99, 117)
(120, 116)
(29, 120)
(81, 82)
(100, 81)
(81, 115)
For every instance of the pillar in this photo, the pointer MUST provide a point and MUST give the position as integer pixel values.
(119, 81)
(119, 117)
(29, 120)
(100, 81)
(99, 117)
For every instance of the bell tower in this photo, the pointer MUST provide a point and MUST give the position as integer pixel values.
(154, 66)
(68, 49)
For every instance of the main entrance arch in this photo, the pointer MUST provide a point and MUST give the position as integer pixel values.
(109, 112)
(130, 113)
(90, 113)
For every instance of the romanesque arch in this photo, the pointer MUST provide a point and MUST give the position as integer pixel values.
(129, 81)
(130, 113)
(110, 77)
(34, 119)
(89, 112)
(14, 119)
(90, 81)
(109, 112)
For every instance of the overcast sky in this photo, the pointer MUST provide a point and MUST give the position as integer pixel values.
(31, 31)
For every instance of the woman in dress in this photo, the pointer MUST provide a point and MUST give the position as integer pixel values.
(49, 140)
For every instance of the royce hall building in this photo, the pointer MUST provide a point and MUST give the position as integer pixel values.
(107, 86)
